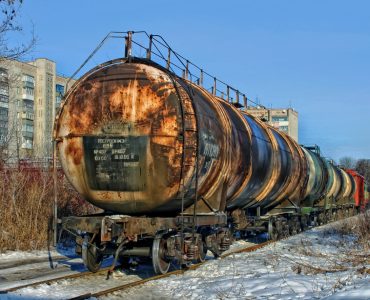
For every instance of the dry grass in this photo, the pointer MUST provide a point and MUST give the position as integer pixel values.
(26, 201)
(354, 243)
(358, 226)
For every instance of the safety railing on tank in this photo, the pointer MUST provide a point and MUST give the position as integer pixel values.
(154, 47)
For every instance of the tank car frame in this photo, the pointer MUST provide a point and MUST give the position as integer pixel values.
(159, 238)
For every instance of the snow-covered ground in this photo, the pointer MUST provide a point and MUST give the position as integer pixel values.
(316, 264)
(25, 268)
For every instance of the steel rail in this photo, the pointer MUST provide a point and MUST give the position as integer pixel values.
(176, 272)
(75, 275)
(139, 282)
(126, 285)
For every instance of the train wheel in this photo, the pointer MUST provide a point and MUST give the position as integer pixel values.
(285, 231)
(313, 220)
(304, 222)
(334, 216)
(273, 233)
(161, 264)
(294, 227)
(91, 256)
(202, 251)
(320, 219)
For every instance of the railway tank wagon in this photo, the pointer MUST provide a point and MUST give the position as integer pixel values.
(361, 195)
(176, 168)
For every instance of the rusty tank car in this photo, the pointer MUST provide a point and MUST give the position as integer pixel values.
(176, 168)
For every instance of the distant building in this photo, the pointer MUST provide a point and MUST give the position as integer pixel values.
(283, 119)
(30, 94)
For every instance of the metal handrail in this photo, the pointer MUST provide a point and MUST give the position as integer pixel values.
(188, 70)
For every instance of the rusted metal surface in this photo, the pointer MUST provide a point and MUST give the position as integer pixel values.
(120, 138)
(128, 135)
(111, 227)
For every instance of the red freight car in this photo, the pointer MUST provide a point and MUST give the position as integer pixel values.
(359, 195)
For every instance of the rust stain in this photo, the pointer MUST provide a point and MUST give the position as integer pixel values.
(74, 151)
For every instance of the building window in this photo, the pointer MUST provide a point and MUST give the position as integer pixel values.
(3, 135)
(4, 98)
(59, 92)
(27, 142)
(28, 91)
(3, 112)
(27, 128)
(3, 75)
(4, 90)
(279, 119)
(3, 72)
(28, 80)
(283, 128)
(27, 105)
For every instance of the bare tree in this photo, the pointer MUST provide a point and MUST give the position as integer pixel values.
(363, 167)
(11, 49)
(9, 28)
(347, 162)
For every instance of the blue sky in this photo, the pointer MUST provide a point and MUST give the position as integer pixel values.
(314, 55)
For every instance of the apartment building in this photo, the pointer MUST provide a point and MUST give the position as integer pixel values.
(283, 119)
(30, 94)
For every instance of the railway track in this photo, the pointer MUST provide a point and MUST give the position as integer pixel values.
(125, 285)
(176, 272)
(51, 280)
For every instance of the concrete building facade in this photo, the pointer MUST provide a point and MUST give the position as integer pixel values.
(283, 119)
(30, 94)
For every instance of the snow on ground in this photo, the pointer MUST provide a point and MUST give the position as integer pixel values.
(36, 268)
(311, 265)
(317, 264)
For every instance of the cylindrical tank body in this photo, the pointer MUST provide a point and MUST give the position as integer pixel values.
(136, 139)
(317, 178)
(334, 182)
(350, 185)
(346, 187)
(127, 137)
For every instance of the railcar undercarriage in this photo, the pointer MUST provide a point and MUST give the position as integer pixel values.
(164, 240)
(173, 240)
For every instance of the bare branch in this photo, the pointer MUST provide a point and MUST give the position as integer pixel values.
(9, 28)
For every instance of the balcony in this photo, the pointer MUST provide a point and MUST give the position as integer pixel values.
(27, 116)
(27, 134)
(28, 96)
(28, 84)
(4, 104)
(4, 79)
